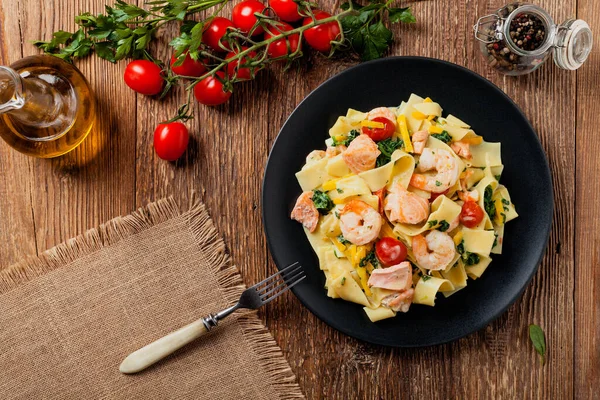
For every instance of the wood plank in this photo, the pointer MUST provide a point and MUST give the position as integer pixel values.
(94, 182)
(587, 212)
(17, 226)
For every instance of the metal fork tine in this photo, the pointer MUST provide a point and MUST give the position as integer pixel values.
(275, 275)
(286, 281)
(288, 287)
(283, 276)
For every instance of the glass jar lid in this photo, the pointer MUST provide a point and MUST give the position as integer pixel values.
(573, 44)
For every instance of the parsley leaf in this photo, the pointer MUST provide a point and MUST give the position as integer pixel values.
(387, 147)
(444, 136)
(343, 280)
(322, 201)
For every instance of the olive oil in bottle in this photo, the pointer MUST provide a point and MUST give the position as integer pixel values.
(46, 106)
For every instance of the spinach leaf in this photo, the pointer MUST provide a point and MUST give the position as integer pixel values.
(322, 201)
(387, 147)
(444, 136)
(488, 203)
(353, 134)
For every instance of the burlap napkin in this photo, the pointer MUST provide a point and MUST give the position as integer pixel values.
(70, 316)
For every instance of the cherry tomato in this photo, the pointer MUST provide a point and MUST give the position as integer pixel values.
(209, 91)
(320, 37)
(144, 77)
(279, 47)
(286, 10)
(381, 195)
(243, 15)
(390, 251)
(189, 67)
(171, 140)
(378, 134)
(436, 195)
(214, 31)
(242, 73)
(471, 214)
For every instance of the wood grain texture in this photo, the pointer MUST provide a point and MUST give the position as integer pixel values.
(116, 170)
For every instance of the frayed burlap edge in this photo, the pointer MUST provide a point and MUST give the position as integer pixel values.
(268, 353)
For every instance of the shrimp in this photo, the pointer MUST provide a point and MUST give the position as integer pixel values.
(315, 155)
(462, 149)
(305, 211)
(441, 246)
(419, 140)
(406, 207)
(360, 223)
(382, 112)
(400, 301)
(333, 151)
(453, 224)
(361, 154)
(444, 163)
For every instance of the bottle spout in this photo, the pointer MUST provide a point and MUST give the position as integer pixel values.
(11, 90)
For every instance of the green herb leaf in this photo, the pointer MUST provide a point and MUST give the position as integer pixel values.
(353, 134)
(403, 14)
(322, 201)
(426, 278)
(443, 226)
(467, 257)
(369, 258)
(488, 203)
(432, 223)
(444, 136)
(343, 240)
(536, 334)
(387, 147)
(343, 280)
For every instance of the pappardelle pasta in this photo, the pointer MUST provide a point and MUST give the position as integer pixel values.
(401, 205)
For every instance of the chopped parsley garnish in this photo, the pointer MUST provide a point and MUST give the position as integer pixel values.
(387, 147)
(444, 136)
(495, 240)
(353, 134)
(343, 240)
(443, 226)
(337, 215)
(426, 278)
(438, 183)
(343, 280)
(467, 257)
(432, 223)
(488, 203)
(369, 258)
(322, 201)
(339, 190)
(497, 177)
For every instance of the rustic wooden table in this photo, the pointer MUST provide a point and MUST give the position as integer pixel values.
(44, 202)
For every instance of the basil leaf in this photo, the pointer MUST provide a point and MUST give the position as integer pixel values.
(536, 334)
(403, 14)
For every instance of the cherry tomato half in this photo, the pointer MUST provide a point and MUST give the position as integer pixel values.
(144, 77)
(286, 10)
(209, 91)
(214, 31)
(378, 134)
(320, 37)
(243, 15)
(171, 140)
(189, 67)
(279, 48)
(471, 214)
(242, 73)
(390, 251)
(436, 195)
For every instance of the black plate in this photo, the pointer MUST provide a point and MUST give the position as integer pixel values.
(492, 114)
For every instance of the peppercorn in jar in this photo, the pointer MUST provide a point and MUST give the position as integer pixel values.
(519, 37)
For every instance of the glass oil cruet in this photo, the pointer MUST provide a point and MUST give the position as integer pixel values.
(46, 106)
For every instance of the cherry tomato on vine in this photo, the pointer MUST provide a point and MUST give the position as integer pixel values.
(378, 134)
(390, 251)
(209, 91)
(279, 47)
(189, 67)
(436, 195)
(144, 77)
(214, 31)
(320, 37)
(286, 10)
(243, 15)
(471, 214)
(171, 140)
(242, 73)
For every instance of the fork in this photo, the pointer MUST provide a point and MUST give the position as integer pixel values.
(252, 298)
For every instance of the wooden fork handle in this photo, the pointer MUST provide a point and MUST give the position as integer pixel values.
(159, 349)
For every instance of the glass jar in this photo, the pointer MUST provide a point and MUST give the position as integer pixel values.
(519, 37)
